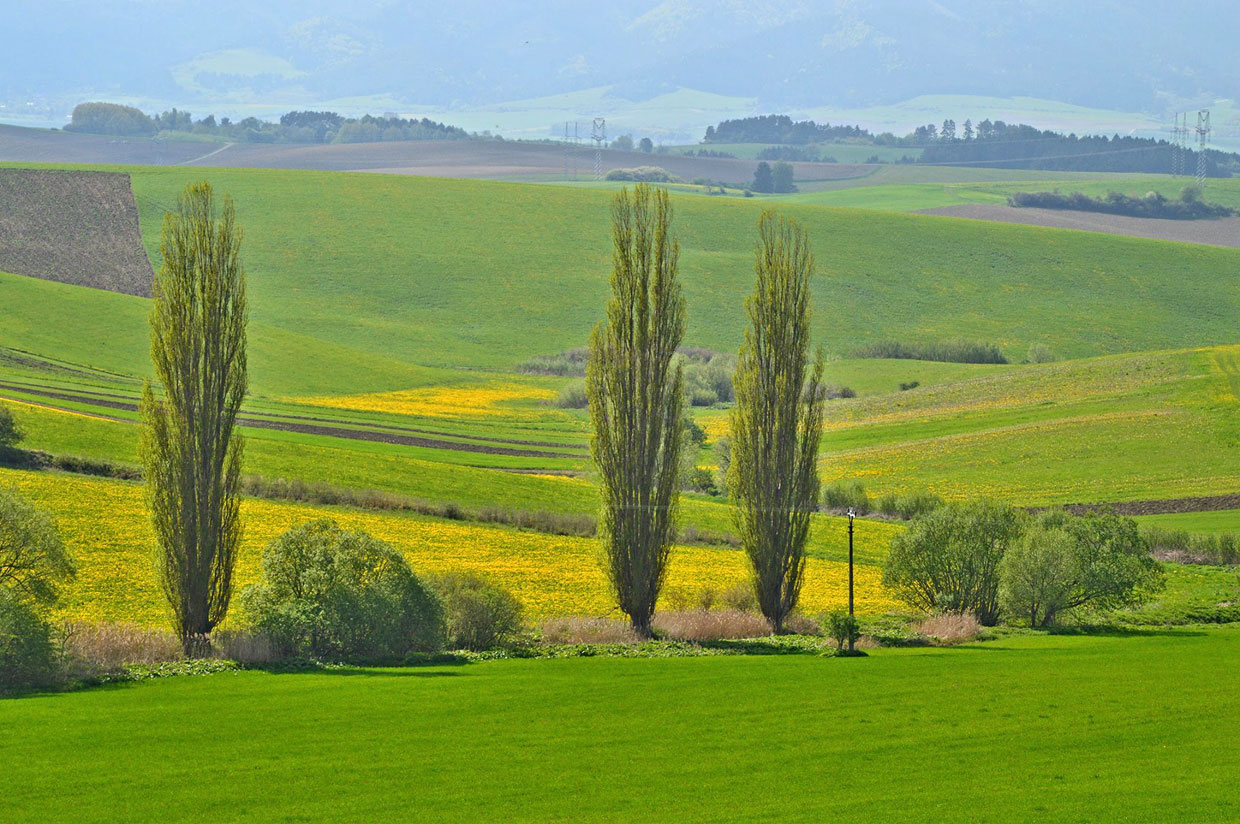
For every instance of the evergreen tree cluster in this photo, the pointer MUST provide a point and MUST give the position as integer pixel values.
(779, 128)
(994, 144)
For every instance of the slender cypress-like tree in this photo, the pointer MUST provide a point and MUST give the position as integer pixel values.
(777, 420)
(636, 396)
(191, 455)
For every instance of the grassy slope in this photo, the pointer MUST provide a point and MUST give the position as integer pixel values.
(908, 189)
(1062, 728)
(481, 274)
(417, 294)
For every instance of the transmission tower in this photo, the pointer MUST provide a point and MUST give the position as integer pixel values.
(1177, 148)
(1203, 139)
(572, 141)
(598, 133)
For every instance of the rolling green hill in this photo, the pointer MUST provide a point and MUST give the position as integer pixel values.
(385, 302)
(358, 280)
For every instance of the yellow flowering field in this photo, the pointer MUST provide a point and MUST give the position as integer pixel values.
(105, 526)
(473, 400)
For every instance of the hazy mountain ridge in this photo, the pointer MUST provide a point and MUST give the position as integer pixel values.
(1133, 56)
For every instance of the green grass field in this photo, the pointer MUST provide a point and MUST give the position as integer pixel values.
(453, 273)
(914, 188)
(367, 283)
(1132, 726)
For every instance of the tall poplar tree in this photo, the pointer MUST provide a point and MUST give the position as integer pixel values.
(636, 397)
(777, 421)
(190, 453)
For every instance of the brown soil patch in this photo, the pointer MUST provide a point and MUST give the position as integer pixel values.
(494, 159)
(73, 227)
(1221, 232)
(1164, 506)
(23, 145)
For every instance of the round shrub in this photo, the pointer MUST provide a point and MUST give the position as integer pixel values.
(948, 560)
(842, 628)
(27, 655)
(342, 595)
(1035, 576)
(1067, 564)
(572, 396)
(480, 614)
(33, 559)
(10, 433)
(849, 494)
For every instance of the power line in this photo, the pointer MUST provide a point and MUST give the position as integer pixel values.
(598, 133)
(1203, 137)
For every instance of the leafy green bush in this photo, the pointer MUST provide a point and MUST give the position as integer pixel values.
(643, 174)
(10, 433)
(1189, 206)
(110, 118)
(708, 376)
(844, 495)
(951, 351)
(572, 396)
(565, 364)
(480, 615)
(1186, 548)
(1065, 563)
(842, 628)
(27, 656)
(342, 595)
(948, 560)
(1035, 575)
(33, 559)
(1040, 353)
(700, 479)
(908, 505)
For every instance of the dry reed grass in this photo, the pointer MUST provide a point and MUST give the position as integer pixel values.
(246, 648)
(579, 629)
(97, 649)
(949, 628)
(699, 625)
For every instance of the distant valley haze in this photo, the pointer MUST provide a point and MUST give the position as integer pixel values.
(666, 70)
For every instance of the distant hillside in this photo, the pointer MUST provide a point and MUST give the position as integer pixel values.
(1137, 55)
(72, 227)
(994, 144)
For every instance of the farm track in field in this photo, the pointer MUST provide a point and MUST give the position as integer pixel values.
(316, 429)
(1220, 232)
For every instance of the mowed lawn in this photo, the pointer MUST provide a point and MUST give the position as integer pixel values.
(1057, 728)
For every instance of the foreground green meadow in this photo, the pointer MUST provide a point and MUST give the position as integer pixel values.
(1138, 726)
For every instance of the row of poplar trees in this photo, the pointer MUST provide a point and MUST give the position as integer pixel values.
(192, 455)
(635, 391)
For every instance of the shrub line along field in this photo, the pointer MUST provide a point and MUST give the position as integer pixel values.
(1216, 232)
